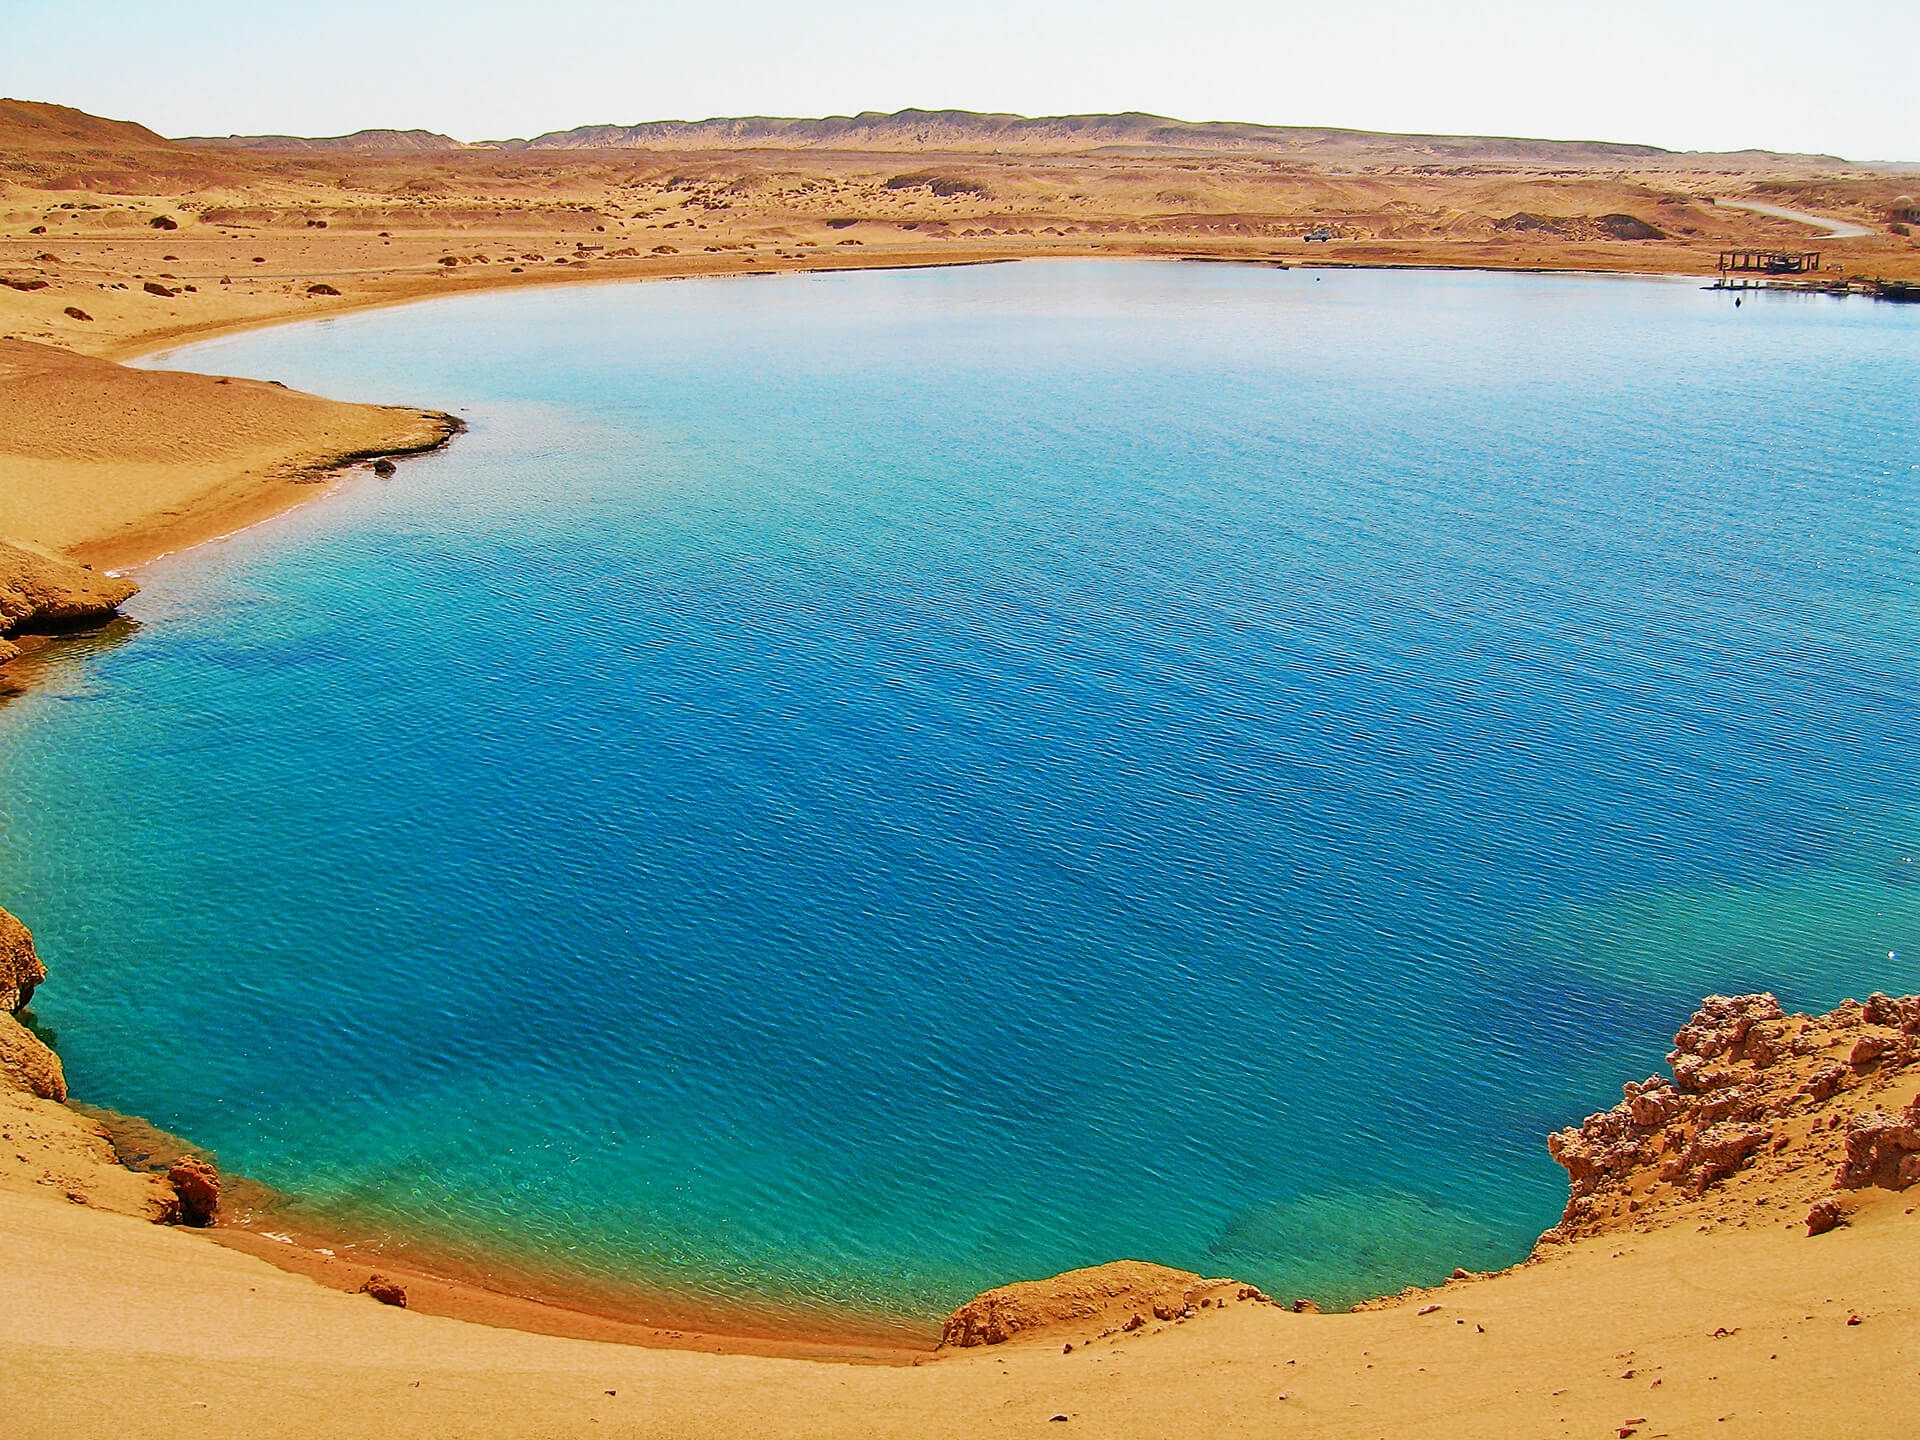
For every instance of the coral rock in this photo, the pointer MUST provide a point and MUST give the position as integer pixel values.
(1714, 1154)
(20, 968)
(1720, 1025)
(1867, 1051)
(198, 1185)
(1902, 1014)
(387, 1292)
(1823, 1217)
(1882, 1150)
(1824, 1083)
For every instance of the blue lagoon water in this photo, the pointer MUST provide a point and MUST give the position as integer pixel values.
(841, 791)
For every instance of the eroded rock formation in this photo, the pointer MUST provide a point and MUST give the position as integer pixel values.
(20, 967)
(1803, 1105)
(25, 1061)
(197, 1184)
(27, 1064)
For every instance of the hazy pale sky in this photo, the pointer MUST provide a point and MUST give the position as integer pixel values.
(1687, 74)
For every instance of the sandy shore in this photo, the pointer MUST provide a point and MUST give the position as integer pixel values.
(119, 1328)
(111, 466)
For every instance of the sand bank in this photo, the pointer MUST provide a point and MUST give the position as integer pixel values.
(111, 466)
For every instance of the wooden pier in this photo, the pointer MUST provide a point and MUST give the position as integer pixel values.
(1770, 262)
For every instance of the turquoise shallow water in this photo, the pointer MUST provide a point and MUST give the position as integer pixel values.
(841, 791)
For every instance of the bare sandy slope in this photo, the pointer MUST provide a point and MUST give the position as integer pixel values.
(111, 465)
(117, 1329)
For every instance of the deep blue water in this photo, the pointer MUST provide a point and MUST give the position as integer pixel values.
(841, 791)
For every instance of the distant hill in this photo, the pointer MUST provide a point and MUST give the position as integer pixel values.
(36, 125)
(363, 142)
(964, 130)
(60, 148)
(46, 132)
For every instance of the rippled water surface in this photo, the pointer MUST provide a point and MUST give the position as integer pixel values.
(840, 791)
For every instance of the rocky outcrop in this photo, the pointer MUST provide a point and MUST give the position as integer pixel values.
(1883, 1150)
(1124, 1297)
(197, 1184)
(1754, 1090)
(25, 1061)
(20, 967)
(27, 1064)
(39, 591)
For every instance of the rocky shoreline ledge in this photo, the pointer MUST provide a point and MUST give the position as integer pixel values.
(1767, 1114)
(43, 594)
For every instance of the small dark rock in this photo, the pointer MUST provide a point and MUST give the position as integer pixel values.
(322, 289)
(164, 222)
(1823, 1217)
(154, 287)
(387, 1292)
(384, 467)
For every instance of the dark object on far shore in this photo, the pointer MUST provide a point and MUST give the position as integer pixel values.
(384, 467)
(322, 289)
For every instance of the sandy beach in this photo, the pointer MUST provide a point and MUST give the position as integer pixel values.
(1673, 1302)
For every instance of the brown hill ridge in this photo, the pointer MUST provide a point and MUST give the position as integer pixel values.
(970, 131)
